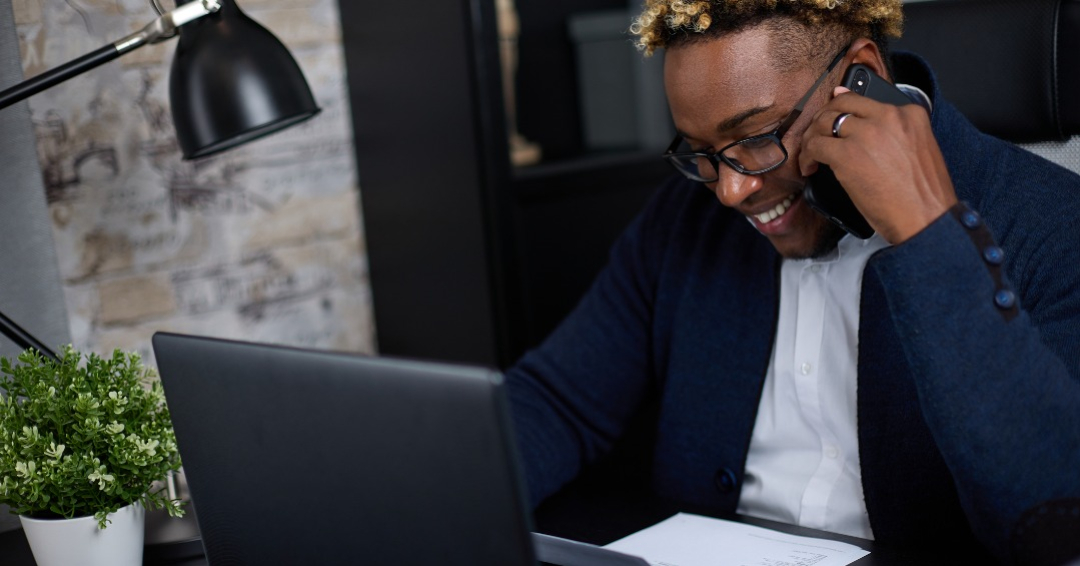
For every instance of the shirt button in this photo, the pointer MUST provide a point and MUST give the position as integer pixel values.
(831, 452)
(1005, 299)
(806, 368)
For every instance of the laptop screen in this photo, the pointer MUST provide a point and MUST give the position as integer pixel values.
(310, 457)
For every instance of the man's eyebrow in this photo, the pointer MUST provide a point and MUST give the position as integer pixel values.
(734, 121)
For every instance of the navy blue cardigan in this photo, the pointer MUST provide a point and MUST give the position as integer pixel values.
(966, 420)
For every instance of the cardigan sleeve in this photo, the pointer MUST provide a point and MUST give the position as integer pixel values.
(997, 367)
(572, 397)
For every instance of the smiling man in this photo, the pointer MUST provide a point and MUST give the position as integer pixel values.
(918, 386)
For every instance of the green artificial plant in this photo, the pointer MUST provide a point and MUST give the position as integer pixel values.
(83, 435)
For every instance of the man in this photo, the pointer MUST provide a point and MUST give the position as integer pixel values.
(921, 385)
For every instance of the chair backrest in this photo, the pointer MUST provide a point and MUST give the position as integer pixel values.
(1011, 66)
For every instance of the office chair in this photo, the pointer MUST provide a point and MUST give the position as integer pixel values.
(1012, 67)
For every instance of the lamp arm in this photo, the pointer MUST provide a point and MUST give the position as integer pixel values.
(163, 28)
(22, 338)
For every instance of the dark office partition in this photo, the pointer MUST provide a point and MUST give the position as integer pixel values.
(470, 258)
(30, 291)
(424, 180)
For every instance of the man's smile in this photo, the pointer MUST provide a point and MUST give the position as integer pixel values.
(775, 212)
(776, 219)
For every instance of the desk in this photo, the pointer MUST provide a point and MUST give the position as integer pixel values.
(576, 519)
(566, 518)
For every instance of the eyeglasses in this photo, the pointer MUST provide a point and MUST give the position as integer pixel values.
(754, 155)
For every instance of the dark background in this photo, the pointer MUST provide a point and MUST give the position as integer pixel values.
(472, 259)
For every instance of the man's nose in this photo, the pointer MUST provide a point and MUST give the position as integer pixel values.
(732, 187)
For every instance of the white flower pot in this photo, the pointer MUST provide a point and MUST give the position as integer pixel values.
(57, 542)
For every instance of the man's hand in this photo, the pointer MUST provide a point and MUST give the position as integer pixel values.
(886, 158)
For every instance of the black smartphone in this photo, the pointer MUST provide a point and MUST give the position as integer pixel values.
(824, 193)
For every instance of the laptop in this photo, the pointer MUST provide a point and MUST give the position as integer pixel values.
(297, 456)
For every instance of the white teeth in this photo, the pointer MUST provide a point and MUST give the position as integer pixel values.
(770, 215)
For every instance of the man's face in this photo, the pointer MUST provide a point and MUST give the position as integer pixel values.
(727, 89)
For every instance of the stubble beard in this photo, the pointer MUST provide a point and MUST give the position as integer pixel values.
(825, 240)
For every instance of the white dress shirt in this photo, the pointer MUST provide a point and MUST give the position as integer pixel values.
(803, 464)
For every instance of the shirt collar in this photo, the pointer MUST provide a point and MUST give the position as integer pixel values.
(918, 96)
(849, 248)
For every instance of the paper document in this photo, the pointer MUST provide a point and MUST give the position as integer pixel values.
(693, 540)
(564, 552)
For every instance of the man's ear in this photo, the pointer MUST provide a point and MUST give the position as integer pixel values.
(865, 51)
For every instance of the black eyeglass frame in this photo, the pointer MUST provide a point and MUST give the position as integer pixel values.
(776, 136)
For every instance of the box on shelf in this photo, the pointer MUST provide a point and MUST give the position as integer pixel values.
(620, 91)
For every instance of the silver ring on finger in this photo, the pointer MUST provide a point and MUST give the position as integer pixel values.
(839, 122)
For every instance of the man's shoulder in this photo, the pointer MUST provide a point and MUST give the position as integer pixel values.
(994, 162)
(1001, 168)
(685, 209)
(684, 228)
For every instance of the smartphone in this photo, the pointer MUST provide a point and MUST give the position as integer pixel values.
(824, 193)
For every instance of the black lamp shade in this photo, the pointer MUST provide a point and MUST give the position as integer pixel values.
(232, 81)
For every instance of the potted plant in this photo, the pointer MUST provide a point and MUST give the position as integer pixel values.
(84, 443)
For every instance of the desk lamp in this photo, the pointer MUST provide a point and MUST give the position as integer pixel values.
(231, 82)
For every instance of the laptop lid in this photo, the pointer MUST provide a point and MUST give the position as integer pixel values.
(296, 456)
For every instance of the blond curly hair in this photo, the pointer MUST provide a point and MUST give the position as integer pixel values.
(663, 23)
